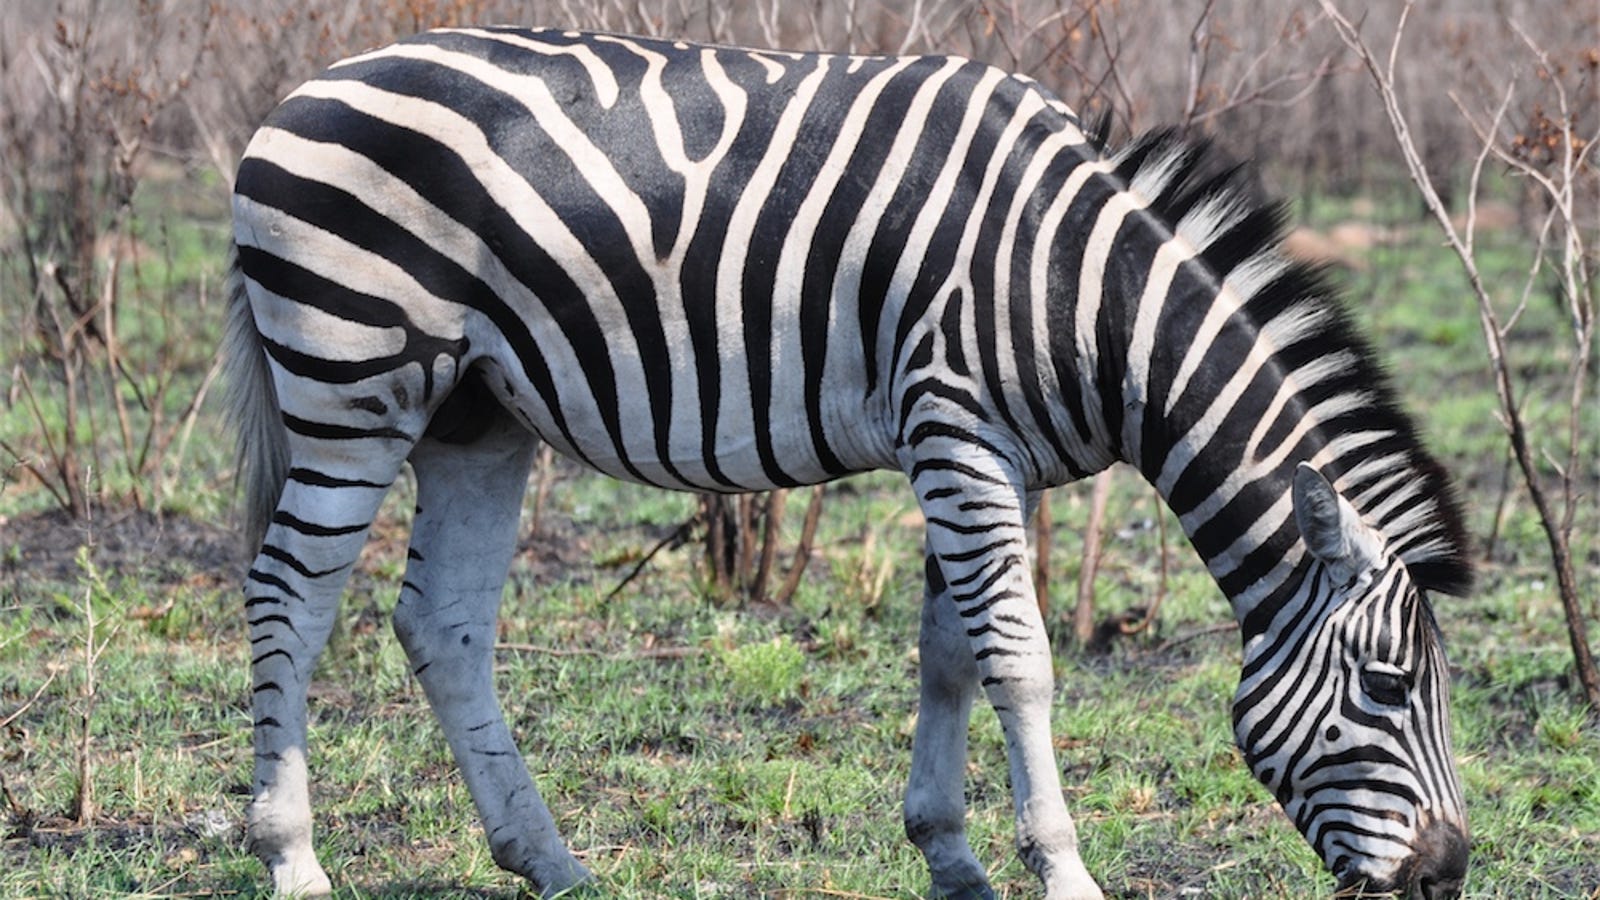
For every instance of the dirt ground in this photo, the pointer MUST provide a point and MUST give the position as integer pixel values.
(170, 550)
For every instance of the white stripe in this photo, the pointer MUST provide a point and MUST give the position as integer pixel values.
(1044, 236)
(1091, 275)
(304, 327)
(1211, 218)
(600, 74)
(1307, 376)
(774, 69)
(1004, 352)
(735, 424)
(933, 209)
(844, 370)
(1039, 273)
(1229, 560)
(1283, 330)
(1242, 283)
(794, 445)
(1142, 341)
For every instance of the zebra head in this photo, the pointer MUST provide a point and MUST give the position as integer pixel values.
(1343, 711)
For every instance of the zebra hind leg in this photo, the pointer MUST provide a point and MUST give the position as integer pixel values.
(935, 813)
(469, 496)
(291, 598)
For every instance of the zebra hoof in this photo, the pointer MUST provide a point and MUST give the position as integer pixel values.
(288, 857)
(1074, 889)
(299, 876)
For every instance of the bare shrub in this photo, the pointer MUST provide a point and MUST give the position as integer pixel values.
(83, 101)
(1548, 141)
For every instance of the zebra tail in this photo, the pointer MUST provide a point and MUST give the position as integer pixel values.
(261, 460)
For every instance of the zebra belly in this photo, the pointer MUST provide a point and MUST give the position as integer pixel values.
(639, 430)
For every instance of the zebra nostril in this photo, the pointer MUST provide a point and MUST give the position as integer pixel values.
(1441, 862)
(1438, 890)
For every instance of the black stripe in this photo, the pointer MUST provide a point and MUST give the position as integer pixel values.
(922, 466)
(931, 387)
(930, 430)
(279, 651)
(271, 580)
(1065, 263)
(983, 586)
(993, 599)
(985, 258)
(863, 169)
(289, 560)
(312, 529)
(943, 119)
(315, 478)
(331, 432)
(940, 256)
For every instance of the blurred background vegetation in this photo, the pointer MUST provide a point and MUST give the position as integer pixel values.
(120, 125)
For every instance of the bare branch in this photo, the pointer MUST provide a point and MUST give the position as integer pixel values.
(1198, 62)
(1557, 529)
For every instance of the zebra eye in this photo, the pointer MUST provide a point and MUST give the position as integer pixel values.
(1385, 684)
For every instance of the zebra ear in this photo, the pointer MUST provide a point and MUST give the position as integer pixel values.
(1331, 527)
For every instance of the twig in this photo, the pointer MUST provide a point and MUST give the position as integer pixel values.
(191, 414)
(802, 550)
(1188, 636)
(745, 565)
(1093, 538)
(828, 892)
(772, 518)
(541, 490)
(1502, 506)
(17, 809)
(16, 713)
(1149, 617)
(1199, 59)
(676, 538)
(1043, 526)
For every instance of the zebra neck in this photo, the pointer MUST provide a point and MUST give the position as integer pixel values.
(1216, 414)
(1239, 517)
(1215, 365)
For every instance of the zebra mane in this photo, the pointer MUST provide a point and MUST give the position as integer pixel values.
(1212, 203)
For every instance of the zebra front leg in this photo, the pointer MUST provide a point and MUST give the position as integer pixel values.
(974, 505)
(935, 803)
(468, 501)
(291, 598)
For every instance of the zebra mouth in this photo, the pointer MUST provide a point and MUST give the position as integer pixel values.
(1353, 884)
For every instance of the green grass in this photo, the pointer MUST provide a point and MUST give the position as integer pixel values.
(760, 759)
(690, 748)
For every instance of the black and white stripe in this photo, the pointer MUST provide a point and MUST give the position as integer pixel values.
(720, 269)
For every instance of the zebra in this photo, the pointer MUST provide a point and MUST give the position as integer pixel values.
(719, 269)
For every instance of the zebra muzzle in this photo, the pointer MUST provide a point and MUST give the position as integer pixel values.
(1436, 869)
(1441, 862)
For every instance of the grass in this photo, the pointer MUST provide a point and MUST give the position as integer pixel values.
(692, 749)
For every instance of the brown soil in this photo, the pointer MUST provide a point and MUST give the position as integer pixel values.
(164, 550)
